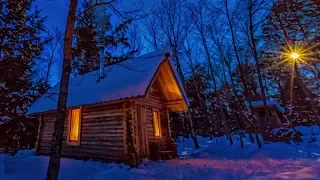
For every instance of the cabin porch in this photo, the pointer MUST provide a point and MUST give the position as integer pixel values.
(152, 133)
(152, 111)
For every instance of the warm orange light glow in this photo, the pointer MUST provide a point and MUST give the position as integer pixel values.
(74, 125)
(156, 122)
(294, 55)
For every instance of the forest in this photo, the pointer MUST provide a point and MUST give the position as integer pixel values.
(250, 68)
(229, 54)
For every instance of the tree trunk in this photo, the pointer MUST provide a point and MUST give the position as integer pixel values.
(202, 102)
(246, 94)
(257, 63)
(192, 133)
(188, 114)
(251, 137)
(205, 46)
(56, 144)
(230, 99)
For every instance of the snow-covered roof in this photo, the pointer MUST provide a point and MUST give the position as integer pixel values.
(269, 102)
(126, 79)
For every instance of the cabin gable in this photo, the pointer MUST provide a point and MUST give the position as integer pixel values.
(163, 96)
(166, 85)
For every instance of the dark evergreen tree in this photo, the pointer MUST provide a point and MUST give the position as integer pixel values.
(113, 38)
(197, 87)
(20, 44)
(250, 78)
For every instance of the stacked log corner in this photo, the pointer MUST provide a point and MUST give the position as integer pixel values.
(39, 135)
(131, 156)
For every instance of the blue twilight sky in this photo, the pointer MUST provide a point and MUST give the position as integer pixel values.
(56, 12)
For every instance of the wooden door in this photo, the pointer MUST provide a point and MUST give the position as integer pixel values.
(143, 145)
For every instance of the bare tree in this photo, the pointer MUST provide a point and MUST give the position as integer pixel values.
(54, 46)
(191, 61)
(252, 18)
(152, 35)
(56, 144)
(200, 15)
(224, 52)
(172, 28)
(135, 39)
(253, 8)
(229, 17)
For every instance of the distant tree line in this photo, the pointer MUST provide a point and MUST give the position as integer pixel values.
(232, 52)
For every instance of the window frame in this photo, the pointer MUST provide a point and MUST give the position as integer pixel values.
(154, 123)
(74, 143)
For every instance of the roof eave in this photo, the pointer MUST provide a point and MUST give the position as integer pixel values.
(104, 102)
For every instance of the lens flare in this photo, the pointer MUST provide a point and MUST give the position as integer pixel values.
(292, 55)
(295, 54)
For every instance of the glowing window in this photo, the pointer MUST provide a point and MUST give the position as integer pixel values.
(156, 123)
(74, 126)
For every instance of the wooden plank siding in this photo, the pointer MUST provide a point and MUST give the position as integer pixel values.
(167, 83)
(105, 128)
(154, 100)
(101, 134)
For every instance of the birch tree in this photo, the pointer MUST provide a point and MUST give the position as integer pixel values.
(56, 144)
(229, 15)
(201, 16)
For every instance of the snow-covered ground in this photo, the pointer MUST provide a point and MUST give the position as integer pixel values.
(211, 161)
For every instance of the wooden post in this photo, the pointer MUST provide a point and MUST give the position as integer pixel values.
(274, 113)
(39, 135)
(145, 131)
(141, 134)
(135, 128)
(125, 146)
(130, 151)
(169, 127)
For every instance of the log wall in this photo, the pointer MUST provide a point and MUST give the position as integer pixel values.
(154, 100)
(101, 134)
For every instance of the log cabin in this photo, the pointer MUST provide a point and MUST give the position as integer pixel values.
(274, 119)
(275, 113)
(120, 116)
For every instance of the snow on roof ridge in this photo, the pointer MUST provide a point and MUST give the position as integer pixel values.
(126, 79)
(269, 102)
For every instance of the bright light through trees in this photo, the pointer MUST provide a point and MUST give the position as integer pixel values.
(294, 55)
